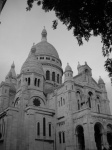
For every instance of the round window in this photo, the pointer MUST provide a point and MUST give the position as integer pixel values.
(36, 102)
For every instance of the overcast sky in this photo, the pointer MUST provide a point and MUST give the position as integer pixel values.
(20, 29)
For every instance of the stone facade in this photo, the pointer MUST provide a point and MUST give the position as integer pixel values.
(38, 111)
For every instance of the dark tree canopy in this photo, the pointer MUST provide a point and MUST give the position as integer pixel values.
(86, 17)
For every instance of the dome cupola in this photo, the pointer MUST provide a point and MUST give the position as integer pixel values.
(68, 68)
(100, 81)
(68, 73)
(31, 64)
(11, 76)
(101, 84)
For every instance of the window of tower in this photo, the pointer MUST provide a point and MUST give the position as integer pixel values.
(47, 75)
(58, 78)
(47, 58)
(38, 128)
(89, 99)
(49, 129)
(78, 105)
(28, 81)
(17, 102)
(86, 70)
(61, 101)
(98, 108)
(44, 127)
(41, 57)
(53, 59)
(35, 81)
(63, 137)
(53, 76)
(38, 82)
(59, 137)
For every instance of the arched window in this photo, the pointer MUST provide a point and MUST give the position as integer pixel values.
(98, 108)
(17, 102)
(98, 103)
(28, 81)
(38, 128)
(47, 75)
(35, 81)
(44, 127)
(53, 76)
(78, 105)
(63, 137)
(89, 99)
(38, 82)
(57, 78)
(49, 129)
(61, 101)
(59, 137)
(78, 99)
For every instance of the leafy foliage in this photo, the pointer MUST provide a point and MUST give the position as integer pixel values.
(86, 17)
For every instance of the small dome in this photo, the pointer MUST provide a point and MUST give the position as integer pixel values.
(11, 73)
(100, 81)
(68, 68)
(31, 64)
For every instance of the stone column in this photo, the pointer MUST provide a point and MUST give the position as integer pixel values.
(89, 137)
(32, 79)
(104, 139)
(92, 137)
(86, 136)
(76, 142)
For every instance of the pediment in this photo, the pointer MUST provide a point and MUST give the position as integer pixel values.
(85, 79)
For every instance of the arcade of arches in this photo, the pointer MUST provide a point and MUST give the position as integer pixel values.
(102, 137)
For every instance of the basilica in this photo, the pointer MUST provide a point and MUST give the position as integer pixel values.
(40, 111)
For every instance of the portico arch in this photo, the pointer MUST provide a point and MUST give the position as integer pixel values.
(109, 135)
(98, 128)
(80, 141)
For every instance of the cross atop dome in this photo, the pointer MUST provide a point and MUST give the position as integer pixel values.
(44, 35)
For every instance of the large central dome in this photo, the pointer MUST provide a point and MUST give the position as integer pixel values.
(45, 48)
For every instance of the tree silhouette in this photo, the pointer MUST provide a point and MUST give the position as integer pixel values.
(86, 17)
